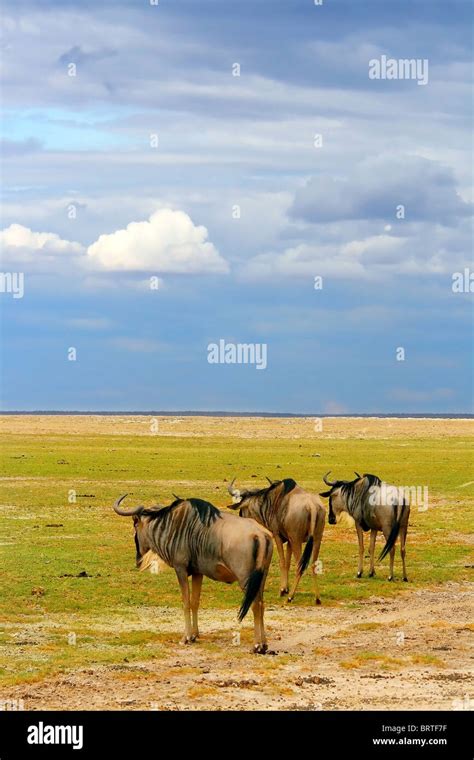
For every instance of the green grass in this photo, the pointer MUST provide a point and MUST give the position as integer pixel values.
(40, 563)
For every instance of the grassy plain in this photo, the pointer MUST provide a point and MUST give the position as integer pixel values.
(71, 596)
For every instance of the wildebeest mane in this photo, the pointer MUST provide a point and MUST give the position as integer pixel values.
(373, 479)
(184, 526)
(347, 486)
(206, 512)
(356, 495)
(288, 485)
(267, 501)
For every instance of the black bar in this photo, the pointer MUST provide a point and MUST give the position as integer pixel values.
(217, 734)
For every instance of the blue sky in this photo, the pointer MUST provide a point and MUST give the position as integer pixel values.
(165, 73)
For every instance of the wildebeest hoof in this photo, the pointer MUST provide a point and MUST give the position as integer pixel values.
(289, 600)
(188, 639)
(359, 574)
(284, 591)
(390, 577)
(405, 579)
(318, 601)
(372, 574)
(260, 648)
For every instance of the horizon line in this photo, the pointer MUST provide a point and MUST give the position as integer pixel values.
(223, 413)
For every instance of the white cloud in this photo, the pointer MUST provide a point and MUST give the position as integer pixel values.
(20, 244)
(167, 242)
(309, 260)
(423, 250)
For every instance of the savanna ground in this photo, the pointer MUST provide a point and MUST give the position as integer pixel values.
(81, 628)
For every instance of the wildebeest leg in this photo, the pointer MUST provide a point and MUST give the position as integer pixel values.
(196, 584)
(403, 540)
(289, 552)
(373, 538)
(184, 586)
(283, 570)
(392, 559)
(360, 536)
(296, 547)
(318, 536)
(259, 639)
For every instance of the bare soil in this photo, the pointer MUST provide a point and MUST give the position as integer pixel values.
(413, 652)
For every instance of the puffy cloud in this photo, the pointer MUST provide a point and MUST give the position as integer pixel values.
(374, 188)
(20, 244)
(309, 260)
(168, 242)
(424, 250)
(18, 236)
(343, 224)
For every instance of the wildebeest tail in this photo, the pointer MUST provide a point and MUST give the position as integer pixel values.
(306, 556)
(393, 535)
(262, 555)
(251, 590)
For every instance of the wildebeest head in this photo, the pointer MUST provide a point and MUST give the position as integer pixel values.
(142, 545)
(242, 500)
(238, 500)
(236, 495)
(337, 496)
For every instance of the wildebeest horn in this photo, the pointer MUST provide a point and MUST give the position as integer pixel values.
(328, 482)
(233, 491)
(270, 481)
(176, 497)
(125, 512)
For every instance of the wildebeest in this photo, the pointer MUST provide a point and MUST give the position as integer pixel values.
(374, 506)
(196, 539)
(294, 517)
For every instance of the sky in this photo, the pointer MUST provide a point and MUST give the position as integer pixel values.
(186, 174)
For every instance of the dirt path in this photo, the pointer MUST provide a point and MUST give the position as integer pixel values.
(413, 652)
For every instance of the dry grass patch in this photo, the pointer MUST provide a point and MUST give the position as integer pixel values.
(387, 662)
(368, 626)
(277, 688)
(323, 651)
(197, 692)
(427, 659)
(343, 632)
(384, 662)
